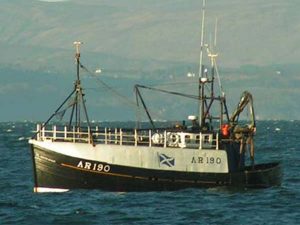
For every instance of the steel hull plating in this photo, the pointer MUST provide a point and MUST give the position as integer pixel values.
(55, 171)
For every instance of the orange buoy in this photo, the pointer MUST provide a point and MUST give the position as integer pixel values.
(225, 130)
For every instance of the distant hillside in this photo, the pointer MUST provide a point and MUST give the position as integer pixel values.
(249, 32)
(151, 42)
(29, 95)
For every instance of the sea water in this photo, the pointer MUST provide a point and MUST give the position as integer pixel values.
(275, 141)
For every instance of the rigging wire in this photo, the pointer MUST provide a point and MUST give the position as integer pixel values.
(109, 88)
(132, 103)
(125, 99)
(218, 78)
(169, 92)
(174, 84)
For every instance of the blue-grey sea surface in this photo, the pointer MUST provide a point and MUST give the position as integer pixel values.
(275, 141)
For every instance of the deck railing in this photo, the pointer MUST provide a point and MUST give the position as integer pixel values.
(117, 136)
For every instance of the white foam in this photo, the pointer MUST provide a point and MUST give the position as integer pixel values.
(48, 190)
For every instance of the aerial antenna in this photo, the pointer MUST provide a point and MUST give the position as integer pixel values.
(202, 40)
(214, 59)
(216, 30)
(77, 55)
(77, 45)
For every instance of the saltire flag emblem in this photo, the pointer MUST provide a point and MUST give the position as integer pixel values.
(166, 160)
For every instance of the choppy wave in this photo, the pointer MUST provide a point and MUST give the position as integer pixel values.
(278, 205)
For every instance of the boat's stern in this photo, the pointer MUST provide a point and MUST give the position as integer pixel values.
(260, 176)
(264, 175)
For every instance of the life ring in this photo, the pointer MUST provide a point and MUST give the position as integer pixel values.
(173, 139)
(157, 138)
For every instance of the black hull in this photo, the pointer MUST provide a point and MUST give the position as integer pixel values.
(57, 171)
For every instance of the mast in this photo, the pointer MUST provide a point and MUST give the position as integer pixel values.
(75, 100)
(207, 81)
(77, 87)
(201, 85)
(79, 100)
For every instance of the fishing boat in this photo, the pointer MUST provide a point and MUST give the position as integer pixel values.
(210, 151)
